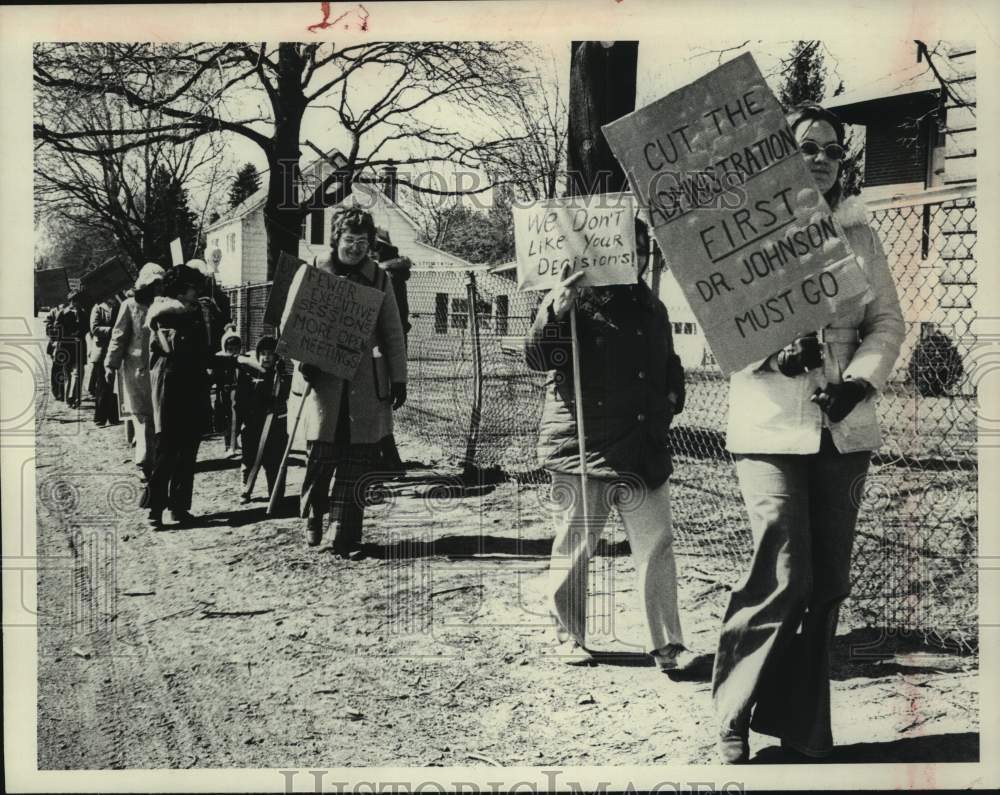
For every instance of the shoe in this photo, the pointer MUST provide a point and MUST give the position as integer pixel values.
(154, 520)
(794, 752)
(181, 517)
(733, 748)
(314, 530)
(673, 657)
(347, 551)
(570, 652)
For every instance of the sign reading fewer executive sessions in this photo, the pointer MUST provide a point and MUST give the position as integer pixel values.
(737, 214)
(593, 234)
(328, 321)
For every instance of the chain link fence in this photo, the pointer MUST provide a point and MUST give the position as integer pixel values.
(474, 403)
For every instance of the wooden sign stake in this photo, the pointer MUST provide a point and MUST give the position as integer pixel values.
(581, 438)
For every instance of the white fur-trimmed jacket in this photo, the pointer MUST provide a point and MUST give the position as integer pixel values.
(771, 413)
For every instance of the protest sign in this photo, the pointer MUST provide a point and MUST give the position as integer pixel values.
(328, 321)
(737, 214)
(594, 234)
(106, 279)
(51, 287)
(74, 284)
(284, 273)
(176, 251)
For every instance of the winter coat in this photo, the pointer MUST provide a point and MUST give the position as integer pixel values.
(771, 413)
(398, 269)
(128, 352)
(178, 366)
(369, 394)
(102, 318)
(70, 327)
(224, 364)
(255, 393)
(628, 366)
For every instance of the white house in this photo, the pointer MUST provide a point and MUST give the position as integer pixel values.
(241, 237)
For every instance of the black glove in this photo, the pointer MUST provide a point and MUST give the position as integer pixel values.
(803, 354)
(839, 400)
(309, 372)
(398, 394)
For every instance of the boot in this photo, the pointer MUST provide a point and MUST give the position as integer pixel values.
(314, 529)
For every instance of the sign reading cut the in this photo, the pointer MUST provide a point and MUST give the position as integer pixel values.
(593, 234)
(328, 321)
(737, 214)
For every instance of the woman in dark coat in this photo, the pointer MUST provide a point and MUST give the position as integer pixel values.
(632, 386)
(179, 357)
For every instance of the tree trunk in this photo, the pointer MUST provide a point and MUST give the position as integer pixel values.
(601, 89)
(283, 211)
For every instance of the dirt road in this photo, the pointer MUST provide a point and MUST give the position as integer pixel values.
(231, 644)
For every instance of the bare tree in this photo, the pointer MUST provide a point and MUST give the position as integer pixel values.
(380, 97)
(109, 190)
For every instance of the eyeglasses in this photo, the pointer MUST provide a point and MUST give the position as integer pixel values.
(832, 151)
(360, 243)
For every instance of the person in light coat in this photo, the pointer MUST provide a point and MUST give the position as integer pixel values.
(344, 421)
(802, 427)
(128, 355)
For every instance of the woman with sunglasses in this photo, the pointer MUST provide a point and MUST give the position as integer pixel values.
(802, 426)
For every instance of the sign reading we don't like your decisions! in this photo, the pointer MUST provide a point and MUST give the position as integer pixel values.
(737, 214)
(590, 234)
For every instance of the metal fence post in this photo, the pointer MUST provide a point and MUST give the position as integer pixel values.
(477, 375)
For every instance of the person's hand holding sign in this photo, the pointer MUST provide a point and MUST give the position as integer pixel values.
(309, 372)
(801, 356)
(563, 295)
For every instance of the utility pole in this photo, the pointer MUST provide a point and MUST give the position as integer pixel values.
(601, 89)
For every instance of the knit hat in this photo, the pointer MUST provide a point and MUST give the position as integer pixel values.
(230, 335)
(200, 265)
(149, 273)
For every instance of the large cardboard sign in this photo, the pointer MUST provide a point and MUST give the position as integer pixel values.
(328, 321)
(107, 279)
(284, 274)
(51, 286)
(594, 234)
(737, 214)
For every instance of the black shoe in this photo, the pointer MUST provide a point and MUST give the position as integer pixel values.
(734, 748)
(181, 517)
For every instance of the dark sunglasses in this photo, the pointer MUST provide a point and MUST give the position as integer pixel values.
(832, 151)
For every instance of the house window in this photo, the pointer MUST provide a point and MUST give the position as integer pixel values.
(689, 328)
(316, 227)
(441, 313)
(503, 311)
(460, 313)
(231, 241)
(302, 228)
(678, 328)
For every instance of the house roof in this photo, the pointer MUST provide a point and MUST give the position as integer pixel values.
(914, 79)
(256, 199)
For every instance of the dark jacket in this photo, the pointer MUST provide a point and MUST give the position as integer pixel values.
(628, 367)
(255, 393)
(178, 367)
